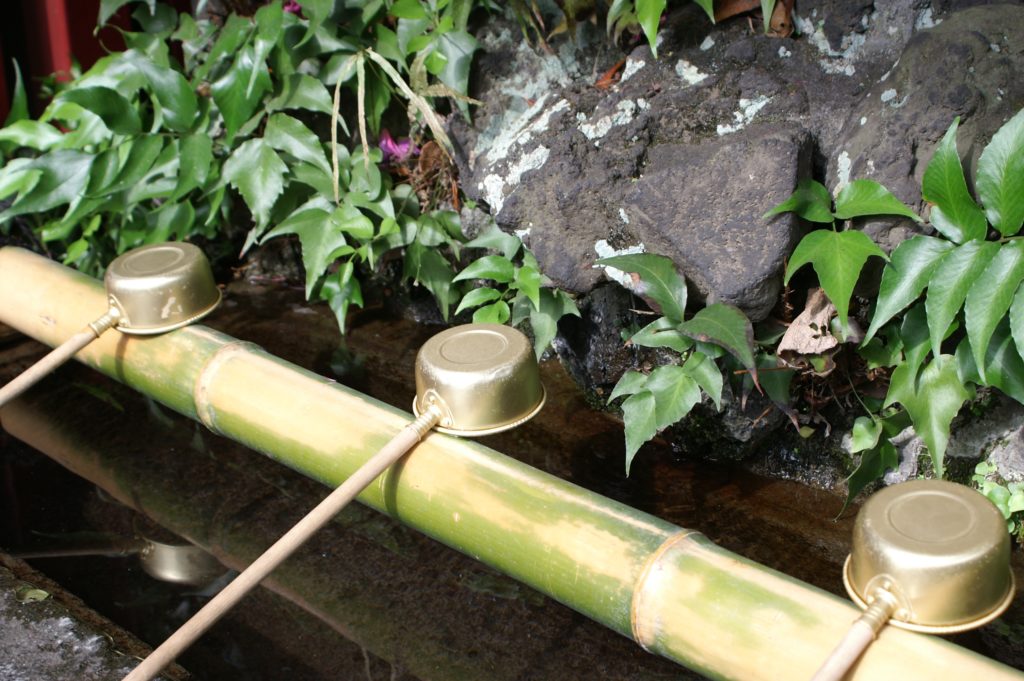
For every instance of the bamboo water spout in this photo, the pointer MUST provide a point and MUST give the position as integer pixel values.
(670, 589)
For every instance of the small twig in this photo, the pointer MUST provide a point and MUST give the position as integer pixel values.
(361, 108)
(420, 104)
(335, 114)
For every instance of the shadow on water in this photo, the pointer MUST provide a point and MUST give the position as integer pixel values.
(366, 598)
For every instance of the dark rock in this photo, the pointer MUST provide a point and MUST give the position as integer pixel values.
(967, 66)
(723, 246)
(741, 52)
(591, 346)
(685, 153)
(586, 183)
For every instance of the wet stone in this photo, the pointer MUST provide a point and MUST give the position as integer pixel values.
(41, 639)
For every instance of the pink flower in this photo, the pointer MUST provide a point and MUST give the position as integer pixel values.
(293, 7)
(396, 150)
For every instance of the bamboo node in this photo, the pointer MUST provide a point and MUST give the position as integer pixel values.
(204, 382)
(640, 622)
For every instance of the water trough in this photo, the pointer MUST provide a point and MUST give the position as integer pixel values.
(668, 588)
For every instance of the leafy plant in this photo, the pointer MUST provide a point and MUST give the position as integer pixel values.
(657, 400)
(517, 291)
(1007, 497)
(951, 306)
(143, 148)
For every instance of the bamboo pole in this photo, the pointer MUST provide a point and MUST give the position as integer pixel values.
(670, 589)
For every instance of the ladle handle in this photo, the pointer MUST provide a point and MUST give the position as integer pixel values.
(284, 547)
(860, 635)
(56, 357)
(110, 549)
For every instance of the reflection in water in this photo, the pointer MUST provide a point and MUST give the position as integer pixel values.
(408, 600)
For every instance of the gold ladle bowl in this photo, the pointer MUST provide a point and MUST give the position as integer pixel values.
(941, 549)
(483, 378)
(161, 287)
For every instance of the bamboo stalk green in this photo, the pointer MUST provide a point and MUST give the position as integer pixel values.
(674, 591)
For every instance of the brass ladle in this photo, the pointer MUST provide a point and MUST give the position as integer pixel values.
(151, 290)
(929, 556)
(471, 380)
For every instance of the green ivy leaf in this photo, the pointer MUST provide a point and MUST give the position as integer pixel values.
(460, 11)
(317, 11)
(648, 13)
(554, 305)
(230, 38)
(767, 7)
(257, 172)
(811, 201)
(1016, 501)
(1000, 182)
(914, 335)
(493, 267)
(867, 197)
(287, 134)
(313, 177)
(32, 134)
(865, 433)
(114, 110)
(342, 291)
(19, 100)
(873, 465)
(319, 240)
(878, 354)
(63, 176)
(906, 274)
(349, 219)
(477, 296)
(109, 7)
(662, 333)
(528, 280)
(428, 267)
(950, 282)
(18, 180)
(990, 296)
(955, 214)
(1017, 319)
(708, 7)
(408, 9)
(458, 48)
(171, 89)
(661, 281)
(236, 101)
(170, 220)
(641, 426)
(301, 91)
(726, 326)
(196, 157)
(144, 152)
(675, 392)
(269, 26)
(1006, 368)
(837, 258)
(507, 244)
(495, 313)
(157, 23)
(707, 374)
(629, 383)
(932, 404)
